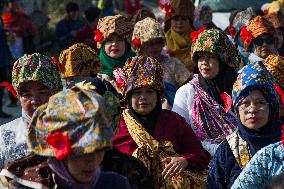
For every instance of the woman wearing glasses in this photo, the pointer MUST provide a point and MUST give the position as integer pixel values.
(256, 104)
(259, 39)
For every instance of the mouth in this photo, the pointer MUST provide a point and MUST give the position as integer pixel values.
(88, 173)
(114, 50)
(252, 119)
(205, 70)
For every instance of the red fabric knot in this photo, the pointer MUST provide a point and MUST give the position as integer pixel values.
(136, 42)
(60, 143)
(246, 35)
(280, 91)
(228, 102)
(98, 35)
(167, 7)
(232, 31)
(265, 11)
(194, 34)
(119, 78)
(55, 61)
(10, 88)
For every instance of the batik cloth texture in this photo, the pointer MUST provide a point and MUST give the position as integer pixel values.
(257, 76)
(274, 19)
(143, 71)
(117, 24)
(275, 66)
(243, 18)
(146, 30)
(79, 60)
(79, 114)
(36, 67)
(216, 42)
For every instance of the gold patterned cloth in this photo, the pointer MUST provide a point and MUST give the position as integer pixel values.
(79, 60)
(117, 24)
(275, 65)
(259, 25)
(151, 153)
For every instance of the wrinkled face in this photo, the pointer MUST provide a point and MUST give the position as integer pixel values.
(265, 45)
(279, 35)
(32, 95)
(180, 24)
(144, 100)
(208, 65)
(254, 110)
(83, 168)
(115, 46)
(73, 15)
(153, 48)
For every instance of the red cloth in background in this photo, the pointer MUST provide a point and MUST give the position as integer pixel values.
(86, 35)
(131, 6)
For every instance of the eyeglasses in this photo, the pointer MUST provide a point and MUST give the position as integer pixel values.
(259, 105)
(260, 41)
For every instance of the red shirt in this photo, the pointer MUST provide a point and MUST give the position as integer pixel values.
(169, 127)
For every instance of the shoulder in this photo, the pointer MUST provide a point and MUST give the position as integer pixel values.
(185, 90)
(111, 180)
(12, 125)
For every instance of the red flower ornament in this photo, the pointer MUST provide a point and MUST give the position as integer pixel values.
(194, 34)
(10, 88)
(136, 42)
(98, 36)
(232, 31)
(246, 35)
(60, 143)
(167, 7)
(119, 78)
(265, 11)
(55, 61)
(227, 101)
(280, 91)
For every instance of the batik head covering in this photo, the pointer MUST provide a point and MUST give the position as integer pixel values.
(145, 31)
(276, 6)
(255, 75)
(74, 122)
(243, 18)
(275, 65)
(274, 19)
(141, 15)
(140, 72)
(36, 67)
(79, 60)
(109, 25)
(178, 8)
(216, 42)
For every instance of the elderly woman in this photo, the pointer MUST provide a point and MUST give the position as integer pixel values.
(200, 101)
(178, 25)
(35, 78)
(145, 129)
(256, 104)
(72, 131)
(259, 39)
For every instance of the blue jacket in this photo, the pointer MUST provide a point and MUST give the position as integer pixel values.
(5, 54)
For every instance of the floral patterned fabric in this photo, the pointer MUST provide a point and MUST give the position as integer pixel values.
(79, 60)
(265, 164)
(36, 67)
(114, 24)
(243, 18)
(147, 30)
(216, 42)
(255, 75)
(209, 119)
(275, 66)
(143, 72)
(80, 115)
(259, 25)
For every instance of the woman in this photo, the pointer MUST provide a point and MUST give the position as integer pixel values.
(258, 125)
(178, 25)
(35, 78)
(259, 39)
(73, 131)
(148, 39)
(200, 101)
(113, 35)
(203, 18)
(145, 129)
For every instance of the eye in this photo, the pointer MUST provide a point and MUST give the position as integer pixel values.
(261, 102)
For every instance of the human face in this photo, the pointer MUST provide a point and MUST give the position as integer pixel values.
(144, 100)
(153, 48)
(265, 45)
(32, 95)
(254, 110)
(180, 24)
(208, 65)
(115, 46)
(279, 35)
(83, 168)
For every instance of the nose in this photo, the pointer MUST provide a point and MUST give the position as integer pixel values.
(252, 108)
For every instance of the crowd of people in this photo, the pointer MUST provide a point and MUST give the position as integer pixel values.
(135, 103)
